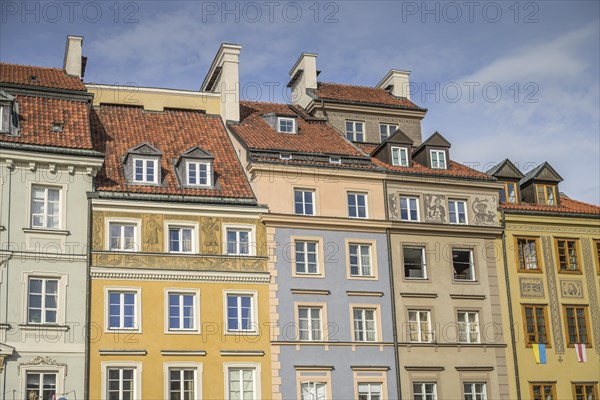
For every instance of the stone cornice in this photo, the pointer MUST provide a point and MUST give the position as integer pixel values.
(327, 223)
(185, 276)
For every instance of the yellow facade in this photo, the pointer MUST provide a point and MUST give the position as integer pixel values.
(539, 287)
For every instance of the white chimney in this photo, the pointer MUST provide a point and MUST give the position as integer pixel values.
(73, 56)
(303, 75)
(223, 77)
(397, 83)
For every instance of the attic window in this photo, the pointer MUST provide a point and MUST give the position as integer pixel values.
(145, 170)
(438, 159)
(286, 125)
(57, 127)
(285, 156)
(335, 160)
(199, 173)
(33, 78)
(546, 194)
(400, 156)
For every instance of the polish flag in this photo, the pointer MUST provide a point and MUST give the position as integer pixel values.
(580, 349)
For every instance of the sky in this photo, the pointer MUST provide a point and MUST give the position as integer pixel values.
(500, 79)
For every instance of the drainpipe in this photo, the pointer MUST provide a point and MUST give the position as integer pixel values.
(8, 227)
(88, 298)
(392, 295)
(510, 310)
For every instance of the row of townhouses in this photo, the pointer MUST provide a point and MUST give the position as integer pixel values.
(172, 244)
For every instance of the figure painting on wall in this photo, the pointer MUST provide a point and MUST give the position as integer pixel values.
(435, 211)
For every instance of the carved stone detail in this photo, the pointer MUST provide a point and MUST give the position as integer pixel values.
(97, 231)
(393, 207)
(531, 287)
(571, 288)
(559, 342)
(44, 360)
(588, 262)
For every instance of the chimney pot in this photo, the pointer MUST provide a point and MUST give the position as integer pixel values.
(396, 82)
(73, 61)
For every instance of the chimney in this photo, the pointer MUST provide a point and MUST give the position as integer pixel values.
(303, 76)
(223, 77)
(397, 83)
(74, 63)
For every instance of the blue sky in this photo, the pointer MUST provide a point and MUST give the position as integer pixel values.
(500, 79)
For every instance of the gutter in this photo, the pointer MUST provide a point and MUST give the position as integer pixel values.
(172, 198)
(50, 150)
(88, 299)
(510, 309)
(551, 213)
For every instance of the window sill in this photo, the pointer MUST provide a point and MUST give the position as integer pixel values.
(568, 272)
(465, 281)
(183, 332)
(47, 231)
(241, 333)
(362, 278)
(122, 331)
(548, 346)
(43, 327)
(530, 271)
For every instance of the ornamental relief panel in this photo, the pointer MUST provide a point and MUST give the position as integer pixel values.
(485, 211)
(570, 288)
(435, 208)
(531, 287)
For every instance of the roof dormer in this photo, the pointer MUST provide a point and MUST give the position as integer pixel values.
(395, 150)
(540, 186)
(282, 123)
(142, 165)
(509, 175)
(9, 114)
(195, 168)
(433, 152)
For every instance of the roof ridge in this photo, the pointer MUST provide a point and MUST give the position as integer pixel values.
(265, 102)
(35, 66)
(353, 85)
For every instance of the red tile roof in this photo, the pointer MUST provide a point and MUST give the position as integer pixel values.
(317, 137)
(454, 170)
(37, 115)
(117, 129)
(55, 78)
(567, 206)
(360, 94)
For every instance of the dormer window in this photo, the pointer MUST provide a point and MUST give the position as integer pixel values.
(286, 125)
(546, 194)
(198, 173)
(438, 159)
(9, 114)
(400, 156)
(508, 194)
(145, 170)
(335, 160)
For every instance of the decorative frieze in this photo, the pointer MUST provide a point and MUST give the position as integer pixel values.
(531, 287)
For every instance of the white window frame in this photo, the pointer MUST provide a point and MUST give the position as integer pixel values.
(400, 151)
(61, 205)
(471, 263)
(353, 132)
(423, 262)
(2, 119)
(303, 203)
(420, 332)
(145, 162)
(124, 221)
(423, 395)
(178, 225)
(468, 325)
(287, 119)
(285, 156)
(137, 376)
(363, 320)
(472, 391)
(63, 283)
(251, 229)
(312, 384)
(369, 392)
(195, 366)
(310, 322)
(196, 312)
(456, 202)
(44, 280)
(209, 173)
(254, 322)
(305, 252)
(388, 130)
(59, 370)
(441, 159)
(409, 208)
(335, 160)
(356, 194)
(359, 247)
(228, 366)
(137, 291)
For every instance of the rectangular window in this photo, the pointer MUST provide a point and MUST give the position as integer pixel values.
(40, 385)
(576, 321)
(357, 205)
(240, 310)
(462, 263)
(597, 244)
(145, 170)
(286, 125)
(122, 236)
(424, 391)
(468, 327)
(364, 325)
(242, 383)
(409, 209)
(535, 324)
(121, 384)
(475, 391)
(585, 391)
(238, 242)
(122, 313)
(355, 131)
(567, 255)
(508, 194)
(42, 301)
(414, 262)
(369, 391)
(527, 254)
(458, 211)
(199, 173)
(182, 384)
(546, 194)
(400, 156)
(180, 240)
(360, 260)
(543, 391)
(438, 159)
(386, 130)
(313, 390)
(310, 326)
(45, 207)
(419, 326)
(182, 311)
(306, 257)
(304, 202)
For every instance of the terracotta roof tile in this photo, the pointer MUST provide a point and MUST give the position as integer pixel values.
(117, 129)
(567, 206)
(454, 170)
(37, 115)
(360, 94)
(55, 78)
